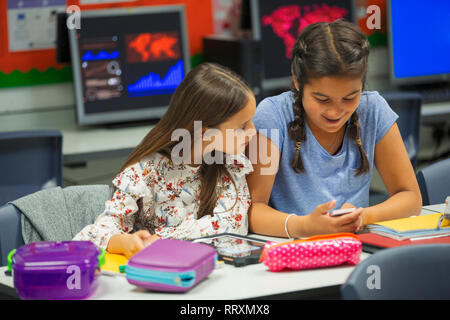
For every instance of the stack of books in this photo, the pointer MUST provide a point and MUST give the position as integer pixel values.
(412, 228)
(407, 231)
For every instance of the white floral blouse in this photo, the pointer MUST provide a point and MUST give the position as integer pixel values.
(163, 198)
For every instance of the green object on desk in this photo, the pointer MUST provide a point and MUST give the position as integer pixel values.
(101, 257)
(10, 255)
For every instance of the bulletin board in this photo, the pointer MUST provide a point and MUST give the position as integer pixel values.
(38, 65)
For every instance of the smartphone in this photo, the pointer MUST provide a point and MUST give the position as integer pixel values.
(235, 249)
(340, 212)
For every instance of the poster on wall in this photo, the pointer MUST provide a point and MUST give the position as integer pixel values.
(31, 24)
(28, 33)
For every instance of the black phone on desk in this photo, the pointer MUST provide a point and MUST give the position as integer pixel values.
(235, 249)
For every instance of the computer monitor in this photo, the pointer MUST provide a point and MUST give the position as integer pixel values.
(277, 23)
(128, 62)
(419, 41)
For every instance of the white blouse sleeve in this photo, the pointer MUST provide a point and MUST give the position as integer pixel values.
(119, 214)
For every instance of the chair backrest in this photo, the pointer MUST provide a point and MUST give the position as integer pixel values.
(29, 161)
(407, 105)
(10, 231)
(409, 272)
(11, 228)
(434, 182)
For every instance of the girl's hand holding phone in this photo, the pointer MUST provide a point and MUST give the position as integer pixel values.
(321, 222)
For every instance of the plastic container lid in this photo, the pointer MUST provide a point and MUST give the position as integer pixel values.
(51, 255)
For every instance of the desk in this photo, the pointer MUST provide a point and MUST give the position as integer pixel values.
(81, 144)
(230, 283)
(434, 208)
(435, 112)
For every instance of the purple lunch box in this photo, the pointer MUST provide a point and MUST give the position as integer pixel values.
(171, 265)
(56, 270)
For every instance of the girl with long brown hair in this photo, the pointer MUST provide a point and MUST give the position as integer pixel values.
(331, 134)
(164, 190)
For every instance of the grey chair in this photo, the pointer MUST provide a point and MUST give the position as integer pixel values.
(434, 182)
(29, 161)
(11, 229)
(407, 104)
(409, 272)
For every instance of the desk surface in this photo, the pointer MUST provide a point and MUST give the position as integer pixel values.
(230, 283)
(434, 208)
(81, 144)
(226, 283)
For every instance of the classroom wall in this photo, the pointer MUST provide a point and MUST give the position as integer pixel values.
(37, 98)
(199, 21)
(61, 96)
(57, 96)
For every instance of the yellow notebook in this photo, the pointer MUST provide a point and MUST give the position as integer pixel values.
(424, 222)
(113, 262)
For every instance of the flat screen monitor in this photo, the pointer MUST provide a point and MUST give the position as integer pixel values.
(128, 62)
(277, 23)
(419, 41)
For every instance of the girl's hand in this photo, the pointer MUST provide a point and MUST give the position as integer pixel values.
(360, 221)
(347, 205)
(130, 244)
(152, 239)
(134, 242)
(319, 222)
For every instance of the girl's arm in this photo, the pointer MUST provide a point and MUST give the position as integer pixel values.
(117, 220)
(263, 219)
(397, 173)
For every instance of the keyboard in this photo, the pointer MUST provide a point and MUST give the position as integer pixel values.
(438, 93)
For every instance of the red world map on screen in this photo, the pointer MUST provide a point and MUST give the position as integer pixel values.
(149, 47)
(288, 21)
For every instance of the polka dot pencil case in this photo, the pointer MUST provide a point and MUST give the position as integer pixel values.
(313, 252)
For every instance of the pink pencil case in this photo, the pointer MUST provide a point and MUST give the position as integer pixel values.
(313, 252)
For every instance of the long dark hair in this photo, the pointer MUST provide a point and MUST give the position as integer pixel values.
(336, 48)
(209, 93)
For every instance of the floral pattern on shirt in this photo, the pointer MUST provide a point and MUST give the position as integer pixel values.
(162, 197)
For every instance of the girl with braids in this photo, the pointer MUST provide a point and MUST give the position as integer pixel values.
(156, 195)
(324, 138)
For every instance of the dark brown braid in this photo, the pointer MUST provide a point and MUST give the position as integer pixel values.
(296, 128)
(355, 133)
(327, 49)
(297, 131)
